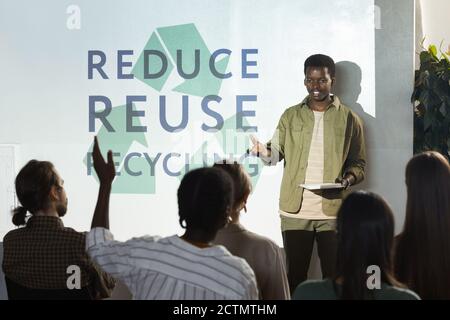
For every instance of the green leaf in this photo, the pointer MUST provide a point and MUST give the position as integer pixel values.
(425, 57)
(423, 98)
(432, 49)
(434, 100)
(445, 57)
(431, 101)
(441, 88)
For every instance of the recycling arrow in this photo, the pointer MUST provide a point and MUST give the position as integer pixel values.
(120, 142)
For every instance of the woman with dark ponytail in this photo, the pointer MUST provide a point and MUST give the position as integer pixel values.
(38, 255)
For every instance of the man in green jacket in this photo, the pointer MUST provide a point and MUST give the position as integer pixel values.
(321, 141)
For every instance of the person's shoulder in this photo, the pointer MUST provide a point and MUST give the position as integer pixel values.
(260, 240)
(314, 290)
(70, 230)
(148, 242)
(72, 233)
(312, 284)
(292, 109)
(14, 234)
(227, 257)
(291, 114)
(237, 271)
(234, 261)
(355, 117)
(148, 239)
(352, 114)
(396, 293)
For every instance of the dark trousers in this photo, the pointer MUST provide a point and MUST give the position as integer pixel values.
(298, 245)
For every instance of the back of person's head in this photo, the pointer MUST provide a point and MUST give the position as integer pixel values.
(242, 184)
(33, 185)
(365, 229)
(423, 248)
(322, 61)
(205, 198)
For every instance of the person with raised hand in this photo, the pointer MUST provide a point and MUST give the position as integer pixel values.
(44, 259)
(175, 267)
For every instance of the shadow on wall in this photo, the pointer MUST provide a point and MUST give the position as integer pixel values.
(348, 89)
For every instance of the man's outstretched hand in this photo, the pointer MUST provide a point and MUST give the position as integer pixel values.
(258, 149)
(106, 171)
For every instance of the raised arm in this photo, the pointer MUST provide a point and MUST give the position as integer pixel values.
(106, 173)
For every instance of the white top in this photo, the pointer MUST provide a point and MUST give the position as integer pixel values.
(156, 268)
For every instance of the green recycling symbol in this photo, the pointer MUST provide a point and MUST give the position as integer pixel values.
(168, 40)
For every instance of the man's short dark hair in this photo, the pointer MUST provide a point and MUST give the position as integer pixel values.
(205, 198)
(321, 60)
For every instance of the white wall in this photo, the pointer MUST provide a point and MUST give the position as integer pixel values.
(435, 22)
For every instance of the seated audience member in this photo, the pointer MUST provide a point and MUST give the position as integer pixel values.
(422, 254)
(262, 254)
(186, 267)
(38, 257)
(365, 230)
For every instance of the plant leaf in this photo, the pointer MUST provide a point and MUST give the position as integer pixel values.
(431, 102)
(432, 49)
(423, 98)
(425, 57)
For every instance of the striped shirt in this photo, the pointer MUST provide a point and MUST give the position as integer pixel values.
(155, 268)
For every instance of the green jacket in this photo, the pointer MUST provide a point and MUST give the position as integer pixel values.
(344, 150)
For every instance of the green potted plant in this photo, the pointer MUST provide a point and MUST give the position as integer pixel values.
(431, 99)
